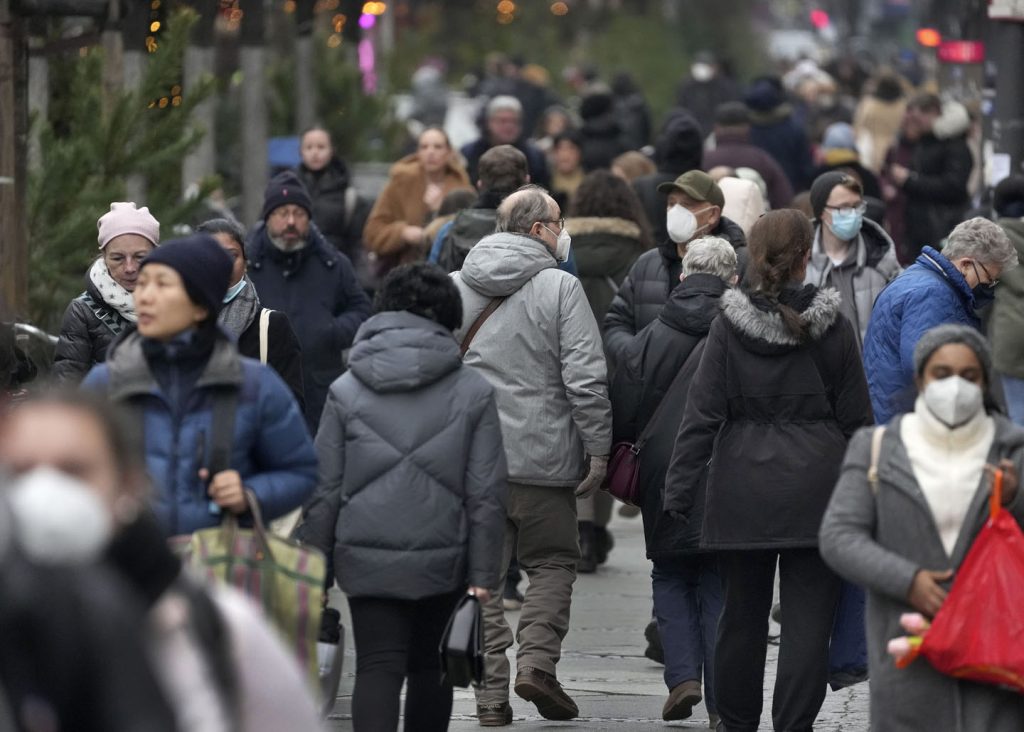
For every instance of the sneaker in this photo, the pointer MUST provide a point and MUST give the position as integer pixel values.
(498, 714)
(543, 689)
(511, 597)
(654, 650)
(681, 701)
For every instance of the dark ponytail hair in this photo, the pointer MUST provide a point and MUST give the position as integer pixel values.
(778, 243)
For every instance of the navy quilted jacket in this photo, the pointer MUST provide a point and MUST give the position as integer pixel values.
(929, 293)
(271, 449)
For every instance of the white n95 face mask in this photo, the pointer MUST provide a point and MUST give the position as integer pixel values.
(59, 519)
(562, 246)
(954, 401)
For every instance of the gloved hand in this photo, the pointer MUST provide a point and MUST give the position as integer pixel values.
(595, 476)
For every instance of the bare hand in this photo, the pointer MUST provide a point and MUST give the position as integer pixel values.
(889, 192)
(226, 490)
(926, 595)
(433, 196)
(481, 593)
(898, 173)
(1011, 480)
(413, 235)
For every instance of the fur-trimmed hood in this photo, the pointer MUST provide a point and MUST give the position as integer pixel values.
(763, 330)
(954, 121)
(583, 225)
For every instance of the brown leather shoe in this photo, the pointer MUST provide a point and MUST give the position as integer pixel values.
(498, 714)
(681, 701)
(543, 689)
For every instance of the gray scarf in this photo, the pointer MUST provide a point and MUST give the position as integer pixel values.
(238, 314)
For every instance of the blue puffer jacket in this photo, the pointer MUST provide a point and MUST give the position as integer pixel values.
(271, 449)
(929, 293)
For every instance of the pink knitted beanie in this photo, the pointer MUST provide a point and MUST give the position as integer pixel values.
(124, 218)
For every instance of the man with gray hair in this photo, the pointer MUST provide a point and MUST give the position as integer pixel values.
(947, 287)
(657, 365)
(503, 125)
(527, 327)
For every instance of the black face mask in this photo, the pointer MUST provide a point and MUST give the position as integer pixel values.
(984, 294)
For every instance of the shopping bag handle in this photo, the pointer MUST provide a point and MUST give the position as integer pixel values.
(259, 528)
(995, 500)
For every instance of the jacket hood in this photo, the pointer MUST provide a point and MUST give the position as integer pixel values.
(762, 328)
(602, 245)
(744, 202)
(694, 304)
(877, 242)
(502, 263)
(398, 351)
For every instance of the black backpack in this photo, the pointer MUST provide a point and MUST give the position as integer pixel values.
(469, 226)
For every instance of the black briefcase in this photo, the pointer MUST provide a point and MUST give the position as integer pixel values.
(462, 645)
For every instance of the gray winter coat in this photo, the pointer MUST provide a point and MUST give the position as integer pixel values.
(880, 542)
(541, 349)
(867, 270)
(412, 487)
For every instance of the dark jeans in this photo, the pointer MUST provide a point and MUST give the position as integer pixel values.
(809, 593)
(687, 603)
(398, 640)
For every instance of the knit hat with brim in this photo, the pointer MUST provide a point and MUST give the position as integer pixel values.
(204, 268)
(942, 335)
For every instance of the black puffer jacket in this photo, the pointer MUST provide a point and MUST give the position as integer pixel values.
(936, 191)
(284, 354)
(84, 338)
(647, 286)
(670, 345)
(338, 210)
(773, 416)
(411, 501)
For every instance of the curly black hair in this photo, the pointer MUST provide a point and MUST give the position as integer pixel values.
(604, 194)
(424, 289)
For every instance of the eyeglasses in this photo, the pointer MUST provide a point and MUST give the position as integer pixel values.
(560, 222)
(860, 208)
(992, 282)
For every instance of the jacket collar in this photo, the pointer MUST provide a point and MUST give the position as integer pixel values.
(131, 376)
(934, 260)
(766, 326)
(259, 247)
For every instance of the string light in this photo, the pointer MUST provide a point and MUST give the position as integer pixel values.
(559, 9)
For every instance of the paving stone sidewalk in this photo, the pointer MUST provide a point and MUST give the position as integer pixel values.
(603, 667)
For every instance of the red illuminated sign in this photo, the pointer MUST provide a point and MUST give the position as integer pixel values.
(961, 52)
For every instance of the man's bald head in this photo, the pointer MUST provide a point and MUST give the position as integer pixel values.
(524, 208)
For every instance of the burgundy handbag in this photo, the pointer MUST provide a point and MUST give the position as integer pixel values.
(623, 478)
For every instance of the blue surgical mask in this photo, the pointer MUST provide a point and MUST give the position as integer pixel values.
(846, 225)
(233, 292)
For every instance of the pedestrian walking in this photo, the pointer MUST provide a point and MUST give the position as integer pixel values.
(910, 501)
(1006, 326)
(411, 501)
(694, 209)
(652, 383)
(339, 210)
(551, 387)
(778, 392)
(609, 232)
(297, 272)
(851, 254)
(950, 286)
(417, 184)
(774, 129)
(925, 175)
(218, 664)
(503, 124)
(184, 381)
(679, 148)
(262, 334)
(93, 320)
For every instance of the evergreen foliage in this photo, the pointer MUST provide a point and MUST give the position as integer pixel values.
(90, 147)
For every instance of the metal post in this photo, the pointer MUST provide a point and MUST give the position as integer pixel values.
(1008, 123)
(13, 174)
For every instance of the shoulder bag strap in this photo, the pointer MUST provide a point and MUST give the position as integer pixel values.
(225, 404)
(101, 311)
(684, 369)
(876, 451)
(488, 311)
(264, 334)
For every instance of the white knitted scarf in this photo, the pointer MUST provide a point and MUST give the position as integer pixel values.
(112, 293)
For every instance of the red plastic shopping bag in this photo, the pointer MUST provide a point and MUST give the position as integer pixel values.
(978, 633)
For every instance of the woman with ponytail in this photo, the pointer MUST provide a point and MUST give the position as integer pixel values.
(778, 393)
